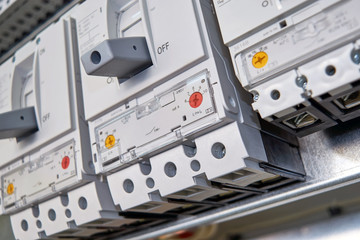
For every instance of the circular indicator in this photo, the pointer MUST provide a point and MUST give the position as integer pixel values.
(110, 141)
(260, 59)
(195, 99)
(10, 189)
(65, 162)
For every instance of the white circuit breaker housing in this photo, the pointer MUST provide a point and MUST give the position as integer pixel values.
(82, 212)
(180, 95)
(55, 156)
(292, 58)
(188, 94)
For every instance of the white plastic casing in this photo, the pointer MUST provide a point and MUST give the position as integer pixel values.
(35, 79)
(151, 110)
(188, 182)
(75, 214)
(295, 37)
(130, 187)
(177, 36)
(6, 70)
(250, 15)
(129, 191)
(46, 87)
(346, 71)
(152, 116)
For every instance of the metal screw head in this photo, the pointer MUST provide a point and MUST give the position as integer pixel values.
(355, 56)
(301, 81)
(255, 95)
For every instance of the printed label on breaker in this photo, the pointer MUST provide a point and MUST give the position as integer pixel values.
(89, 30)
(36, 176)
(299, 42)
(176, 108)
(251, 14)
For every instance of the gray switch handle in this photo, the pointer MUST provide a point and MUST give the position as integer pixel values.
(18, 123)
(121, 57)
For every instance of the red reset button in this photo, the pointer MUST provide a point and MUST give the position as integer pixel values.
(65, 162)
(195, 99)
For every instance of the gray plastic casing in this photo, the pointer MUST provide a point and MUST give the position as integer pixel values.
(121, 57)
(18, 123)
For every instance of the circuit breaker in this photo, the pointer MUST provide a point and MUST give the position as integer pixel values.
(38, 89)
(300, 60)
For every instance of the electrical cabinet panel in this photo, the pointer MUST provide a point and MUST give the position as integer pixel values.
(127, 114)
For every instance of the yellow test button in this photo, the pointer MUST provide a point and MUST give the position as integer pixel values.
(10, 189)
(260, 59)
(110, 141)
